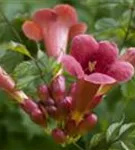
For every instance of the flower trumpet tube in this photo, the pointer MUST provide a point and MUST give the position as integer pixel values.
(8, 85)
(54, 26)
(6, 82)
(97, 67)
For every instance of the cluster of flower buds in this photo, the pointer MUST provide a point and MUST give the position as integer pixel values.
(54, 102)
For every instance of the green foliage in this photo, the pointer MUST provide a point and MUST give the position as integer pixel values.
(105, 24)
(128, 89)
(113, 135)
(29, 74)
(112, 131)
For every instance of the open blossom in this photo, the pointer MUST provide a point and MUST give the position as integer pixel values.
(97, 66)
(54, 27)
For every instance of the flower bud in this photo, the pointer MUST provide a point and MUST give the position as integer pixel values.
(87, 124)
(58, 88)
(42, 108)
(71, 127)
(52, 111)
(129, 56)
(49, 102)
(65, 105)
(6, 82)
(59, 136)
(38, 117)
(43, 92)
(28, 106)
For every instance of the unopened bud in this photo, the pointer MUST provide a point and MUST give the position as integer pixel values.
(52, 111)
(59, 136)
(58, 88)
(38, 117)
(33, 110)
(6, 82)
(65, 105)
(28, 106)
(42, 108)
(87, 124)
(43, 92)
(49, 102)
(71, 127)
(129, 56)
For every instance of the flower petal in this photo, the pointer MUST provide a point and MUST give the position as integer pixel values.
(106, 55)
(99, 78)
(66, 13)
(44, 16)
(72, 66)
(129, 56)
(83, 48)
(76, 29)
(84, 93)
(32, 30)
(121, 71)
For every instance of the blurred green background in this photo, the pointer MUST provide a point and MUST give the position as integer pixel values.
(112, 20)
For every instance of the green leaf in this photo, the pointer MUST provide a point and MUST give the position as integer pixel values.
(106, 23)
(113, 130)
(25, 68)
(17, 47)
(25, 73)
(48, 65)
(24, 82)
(124, 146)
(124, 128)
(96, 139)
(127, 89)
(31, 73)
(9, 59)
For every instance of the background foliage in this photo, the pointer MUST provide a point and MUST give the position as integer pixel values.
(112, 20)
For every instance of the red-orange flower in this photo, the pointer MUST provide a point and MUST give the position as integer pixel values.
(96, 64)
(54, 27)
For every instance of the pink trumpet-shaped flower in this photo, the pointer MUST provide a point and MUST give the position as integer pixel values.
(54, 27)
(97, 67)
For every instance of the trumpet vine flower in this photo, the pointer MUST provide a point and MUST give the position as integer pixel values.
(98, 67)
(54, 26)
